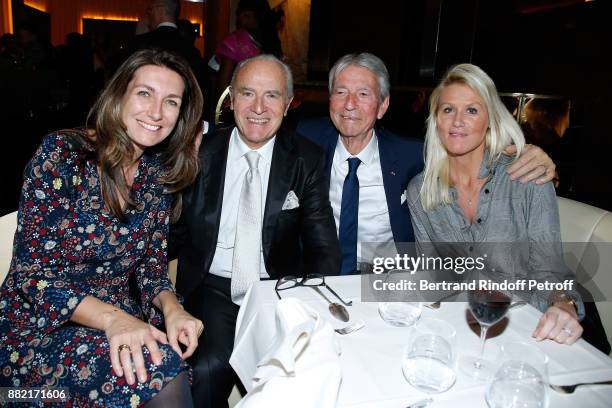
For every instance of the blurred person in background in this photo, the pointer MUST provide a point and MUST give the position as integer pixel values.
(545, 122)
(162, 17)
(253, 36)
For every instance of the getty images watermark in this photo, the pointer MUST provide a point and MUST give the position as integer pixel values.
(428, 271)
(412, 264)
(409, 265)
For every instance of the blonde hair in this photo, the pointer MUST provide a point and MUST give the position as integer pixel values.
(502, 131)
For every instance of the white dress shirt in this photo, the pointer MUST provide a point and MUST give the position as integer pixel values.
(374, 225)
(235, 171)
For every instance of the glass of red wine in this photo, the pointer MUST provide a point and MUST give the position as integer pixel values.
(488, 307)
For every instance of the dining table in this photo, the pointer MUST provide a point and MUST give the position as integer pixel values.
(371, 358)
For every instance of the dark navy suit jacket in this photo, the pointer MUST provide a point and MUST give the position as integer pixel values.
(400, 160)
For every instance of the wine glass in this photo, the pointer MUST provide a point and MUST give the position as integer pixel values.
(488, 307)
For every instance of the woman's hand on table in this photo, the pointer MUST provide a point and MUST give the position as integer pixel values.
(559, 323)
(126, 335)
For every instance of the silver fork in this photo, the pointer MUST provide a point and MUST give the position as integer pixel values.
(569, 389)
(351, 327)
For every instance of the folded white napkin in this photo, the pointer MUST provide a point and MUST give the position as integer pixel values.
(302, 367)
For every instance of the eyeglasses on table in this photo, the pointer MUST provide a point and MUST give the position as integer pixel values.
(313, 279)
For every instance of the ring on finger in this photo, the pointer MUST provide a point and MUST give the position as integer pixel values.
(124, 347)
(567, 331)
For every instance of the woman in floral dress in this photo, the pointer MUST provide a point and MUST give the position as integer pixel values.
(88, 285)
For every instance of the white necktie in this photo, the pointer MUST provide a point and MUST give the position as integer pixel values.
(247, 245)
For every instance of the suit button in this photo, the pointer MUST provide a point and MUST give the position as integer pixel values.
(479, 220)
(486, 191)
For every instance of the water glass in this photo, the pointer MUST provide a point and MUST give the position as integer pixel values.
(394, 309)
(401, 314)
(429, 361)
(524, 351)
(522, 379)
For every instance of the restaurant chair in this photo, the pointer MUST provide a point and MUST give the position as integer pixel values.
(223, 114)
(586, 232)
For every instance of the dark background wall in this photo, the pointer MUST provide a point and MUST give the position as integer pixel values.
(559, 48)
(551, 47)
(527, 46)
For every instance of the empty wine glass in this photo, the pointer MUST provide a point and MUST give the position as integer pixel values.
(488, 307)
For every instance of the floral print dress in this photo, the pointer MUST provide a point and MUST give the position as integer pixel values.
(68, 246)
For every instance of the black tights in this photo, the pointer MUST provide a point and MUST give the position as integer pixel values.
(175, 394)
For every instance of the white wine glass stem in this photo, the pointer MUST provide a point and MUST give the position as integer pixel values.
(483, 339)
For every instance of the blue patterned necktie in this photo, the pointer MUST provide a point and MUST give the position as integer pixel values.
(349, 210)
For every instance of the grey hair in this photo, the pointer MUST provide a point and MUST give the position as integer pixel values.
(266, 57)
(364, 60)
(502, 131)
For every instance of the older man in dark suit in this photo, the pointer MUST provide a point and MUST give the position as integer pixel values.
(259, 209)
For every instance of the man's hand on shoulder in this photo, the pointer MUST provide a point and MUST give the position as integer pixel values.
(534, 164)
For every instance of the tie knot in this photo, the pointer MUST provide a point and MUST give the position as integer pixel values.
(252, 159)
(353, 163)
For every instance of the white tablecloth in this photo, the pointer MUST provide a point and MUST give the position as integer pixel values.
(371, 358)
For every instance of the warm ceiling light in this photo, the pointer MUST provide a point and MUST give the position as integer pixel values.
(100, 17)
(199, 26)
(36, 5)
(116, 18)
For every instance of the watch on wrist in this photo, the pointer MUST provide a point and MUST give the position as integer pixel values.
(562, 297)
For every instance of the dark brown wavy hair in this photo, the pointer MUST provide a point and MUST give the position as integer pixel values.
(114, 147)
